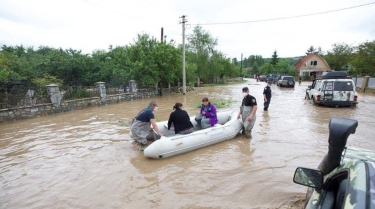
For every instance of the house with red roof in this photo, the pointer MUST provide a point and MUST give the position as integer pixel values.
(312, 64)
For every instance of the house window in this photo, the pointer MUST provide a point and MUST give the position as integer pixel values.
(313, 63)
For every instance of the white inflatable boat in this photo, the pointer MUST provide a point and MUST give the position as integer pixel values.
(171, 144)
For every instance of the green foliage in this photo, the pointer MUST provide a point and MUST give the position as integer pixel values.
(218, 103)
(151, 62)
(78, 93)
(275, 59)
(359, 60)
(223, 103)
(266, 69)
(312, 49)
(364, 59)
(4, 75)
(255, 68)
(283, 67)
(46, 80)
(206, 62)
(251, 60)
(340, 56)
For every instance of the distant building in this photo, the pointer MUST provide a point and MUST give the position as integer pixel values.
(312, 64)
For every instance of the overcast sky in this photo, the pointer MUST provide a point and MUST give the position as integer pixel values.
(89, 25)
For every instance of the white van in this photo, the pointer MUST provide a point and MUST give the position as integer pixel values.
(333, 89)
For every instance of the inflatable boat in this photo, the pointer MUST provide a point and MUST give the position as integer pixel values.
(171, 144)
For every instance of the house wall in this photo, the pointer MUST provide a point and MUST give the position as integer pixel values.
(321, 65)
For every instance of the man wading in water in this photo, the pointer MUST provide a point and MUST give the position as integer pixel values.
(248, 112)
(142, 124)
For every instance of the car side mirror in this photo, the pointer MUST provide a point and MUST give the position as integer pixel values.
(309, 87)
(308, 177)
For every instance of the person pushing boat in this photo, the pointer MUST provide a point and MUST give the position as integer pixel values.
(248, 112)
(142, 123)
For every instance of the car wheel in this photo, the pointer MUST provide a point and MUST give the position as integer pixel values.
(314, 101)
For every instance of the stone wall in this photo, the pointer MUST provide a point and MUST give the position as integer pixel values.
(365, 88)
(38, 110)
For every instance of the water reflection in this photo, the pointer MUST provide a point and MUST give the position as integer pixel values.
(264, 124)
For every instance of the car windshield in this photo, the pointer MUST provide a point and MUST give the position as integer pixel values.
(343, 86)
(288, 78)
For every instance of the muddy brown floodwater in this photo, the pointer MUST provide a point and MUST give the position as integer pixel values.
(85, 158)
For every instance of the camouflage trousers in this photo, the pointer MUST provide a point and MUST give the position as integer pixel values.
(139, 131)
(247, 125)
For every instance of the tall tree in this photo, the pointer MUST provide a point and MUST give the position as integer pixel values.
(340, 56)
(255, 68)
(266, 69)
(142, 57)
(364, 59)
(310, 50)
(275, 59)
(255, 58)
(202, 44)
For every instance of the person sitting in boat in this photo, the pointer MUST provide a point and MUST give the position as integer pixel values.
(248, 112)
(208, 110)
(180, 120)
(142, 124)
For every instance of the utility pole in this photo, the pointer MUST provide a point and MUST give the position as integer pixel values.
(183, 55)
(161, 68)
(241, 66)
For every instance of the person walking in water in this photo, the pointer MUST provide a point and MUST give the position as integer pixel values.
(248, 112)
(142, 124)
(267, 93)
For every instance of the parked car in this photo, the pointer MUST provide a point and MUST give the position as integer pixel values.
(345, 177)
(262, 78)
(273, 77)
(333, 89)
(287, 81)
(278, 76)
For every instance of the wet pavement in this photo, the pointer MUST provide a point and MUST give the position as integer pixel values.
(86, 159)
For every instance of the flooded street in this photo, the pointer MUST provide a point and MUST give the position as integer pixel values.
(86, 159)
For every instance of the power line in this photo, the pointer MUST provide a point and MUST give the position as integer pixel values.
(283, 18)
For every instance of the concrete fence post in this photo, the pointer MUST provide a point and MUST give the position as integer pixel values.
(54, 93)
(132, 86)
(102, 91)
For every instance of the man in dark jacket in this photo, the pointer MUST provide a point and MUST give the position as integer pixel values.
(267, 95)
(248, 112)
